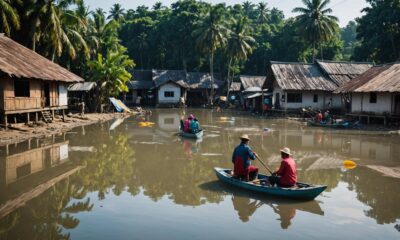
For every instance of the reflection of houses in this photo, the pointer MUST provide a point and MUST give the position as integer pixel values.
(168, 121)
(30, 83)
(252, 91)
(375, 92)
(297, 85)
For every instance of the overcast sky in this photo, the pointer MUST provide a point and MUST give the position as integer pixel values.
(345, 10)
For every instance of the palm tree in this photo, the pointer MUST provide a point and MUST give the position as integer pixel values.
(210, 35)
(116, 12)
(104, 35)
(263, 12)
(157, 6)
(314, 23)
(248, 8)
(8, 17)
(239, 44)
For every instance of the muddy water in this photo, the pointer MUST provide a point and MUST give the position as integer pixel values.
(141, 181)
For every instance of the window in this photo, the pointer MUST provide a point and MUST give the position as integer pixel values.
(169, 94)
(372, 97)
(169, 121)
(294, 97)
(315, 99)
(21, 88)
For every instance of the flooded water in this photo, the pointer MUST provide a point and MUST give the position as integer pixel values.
(140, 180)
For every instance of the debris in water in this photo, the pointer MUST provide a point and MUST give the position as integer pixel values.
(211, 154)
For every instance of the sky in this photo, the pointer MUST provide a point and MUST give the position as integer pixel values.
(345, 10)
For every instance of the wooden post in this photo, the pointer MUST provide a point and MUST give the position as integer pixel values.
(52, 113)
(63, 115)
(27, 118)
(5, 121)
(36, 117)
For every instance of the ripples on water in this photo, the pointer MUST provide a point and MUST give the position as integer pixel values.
(121, 180)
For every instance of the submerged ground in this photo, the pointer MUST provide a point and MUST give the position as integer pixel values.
(142, 181)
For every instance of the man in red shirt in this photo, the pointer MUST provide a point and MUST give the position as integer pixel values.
(286, 175)
(318, 117)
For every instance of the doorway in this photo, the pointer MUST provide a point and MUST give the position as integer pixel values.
(397, 104)
(277, 101)
(46, 94)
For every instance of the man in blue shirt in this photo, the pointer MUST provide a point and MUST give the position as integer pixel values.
(241, 158)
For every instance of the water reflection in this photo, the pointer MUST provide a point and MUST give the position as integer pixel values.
(155, 163)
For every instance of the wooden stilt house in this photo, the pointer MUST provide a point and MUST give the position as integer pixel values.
(30, 85)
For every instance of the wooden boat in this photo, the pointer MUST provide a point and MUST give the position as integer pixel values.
(330, 125)
(300, 191)
(197, 135)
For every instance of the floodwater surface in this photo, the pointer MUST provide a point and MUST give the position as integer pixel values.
(136, 179)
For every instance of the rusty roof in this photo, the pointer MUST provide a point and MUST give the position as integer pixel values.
(19, 61)
(202, 80)
(342, 72)
(382, 78)
(235, 86)
(252, 81)
(300, 76)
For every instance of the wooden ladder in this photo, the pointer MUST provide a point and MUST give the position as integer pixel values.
(47, 117)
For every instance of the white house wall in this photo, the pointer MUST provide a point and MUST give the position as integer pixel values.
(360, 103)
(62, 95)
(169, 87)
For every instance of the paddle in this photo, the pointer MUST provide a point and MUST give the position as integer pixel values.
(269, 170)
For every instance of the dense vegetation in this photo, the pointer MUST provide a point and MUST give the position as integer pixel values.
(196, 36)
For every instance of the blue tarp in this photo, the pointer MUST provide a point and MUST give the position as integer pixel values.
(114, 102)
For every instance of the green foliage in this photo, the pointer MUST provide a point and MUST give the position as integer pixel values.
(349, 35)
(8, 17)
(379, 32)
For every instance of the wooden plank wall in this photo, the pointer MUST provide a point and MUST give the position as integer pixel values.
(2, 80)
(36, 100)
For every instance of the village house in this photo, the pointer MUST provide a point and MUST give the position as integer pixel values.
(301, 85)
(200, 87)
(30, 84)
(82, 92)
(375, 93)
(252, 91)
(141, 88)
(234, 92)
(171, 86)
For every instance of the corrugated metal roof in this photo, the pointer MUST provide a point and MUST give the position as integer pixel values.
(253, 95)
(202, 80)
(301, 76)
(252, 81)
(140, 85)
(161, 77)
(382, 78)
(342, 72)
(83, 87)
(19, 61)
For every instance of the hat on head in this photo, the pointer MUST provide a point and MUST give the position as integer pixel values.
(191, 116)
(286, 150)
(245, 136)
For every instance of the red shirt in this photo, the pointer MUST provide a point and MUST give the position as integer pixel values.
(319, 117)
(287, 171)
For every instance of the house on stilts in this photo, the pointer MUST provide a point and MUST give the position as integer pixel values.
(31, 86)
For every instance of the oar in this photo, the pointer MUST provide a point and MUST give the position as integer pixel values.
(269, 170)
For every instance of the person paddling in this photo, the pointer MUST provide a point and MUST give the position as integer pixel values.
(286, 176)
(241, 158)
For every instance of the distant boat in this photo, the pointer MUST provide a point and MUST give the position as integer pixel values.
(330, 125)
(197, 135)
(300, 191)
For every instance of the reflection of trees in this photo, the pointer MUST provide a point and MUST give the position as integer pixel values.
(376, 191)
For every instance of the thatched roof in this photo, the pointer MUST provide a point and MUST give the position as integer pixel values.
(161, 77)
(252, 81)
(19, 61)
(300, 76)
(382, 78)
(235, 86)
(342, 72)
(201, 80)
(82, 87)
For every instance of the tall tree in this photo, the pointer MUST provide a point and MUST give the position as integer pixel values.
(211, 34)
(116, 12)
(9, 17)
(314, 23)
(263, 12)
(239, 44)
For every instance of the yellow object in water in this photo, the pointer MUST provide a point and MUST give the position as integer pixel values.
(348, 164)
(146, 124)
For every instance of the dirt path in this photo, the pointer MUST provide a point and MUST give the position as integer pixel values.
(22, 132)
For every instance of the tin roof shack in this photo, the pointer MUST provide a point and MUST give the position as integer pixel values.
(299, 85)
(30, 83)
(200, 87)
(171, 86)
(141, 89)
(252, 92)
(375, 93)
(82, 91)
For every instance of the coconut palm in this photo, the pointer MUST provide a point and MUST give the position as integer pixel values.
(239, 44)
(314, 23)
(116, 12)
(248, 8)
(103, 34)
(8, 17)
(211, 34)
(263, 12)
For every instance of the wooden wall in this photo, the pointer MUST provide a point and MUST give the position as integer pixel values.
(36, 100)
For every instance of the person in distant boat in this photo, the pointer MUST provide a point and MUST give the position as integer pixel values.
(241, 158)
(327, 116)
(186, 128)
(286, 176)
(194, 126)
(318, 117)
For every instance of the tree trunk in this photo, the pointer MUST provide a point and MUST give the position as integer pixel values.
(228, 77)
(320, 47)
(313, 51)
(212, 77)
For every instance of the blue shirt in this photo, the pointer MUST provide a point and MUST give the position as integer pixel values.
(245, 152)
